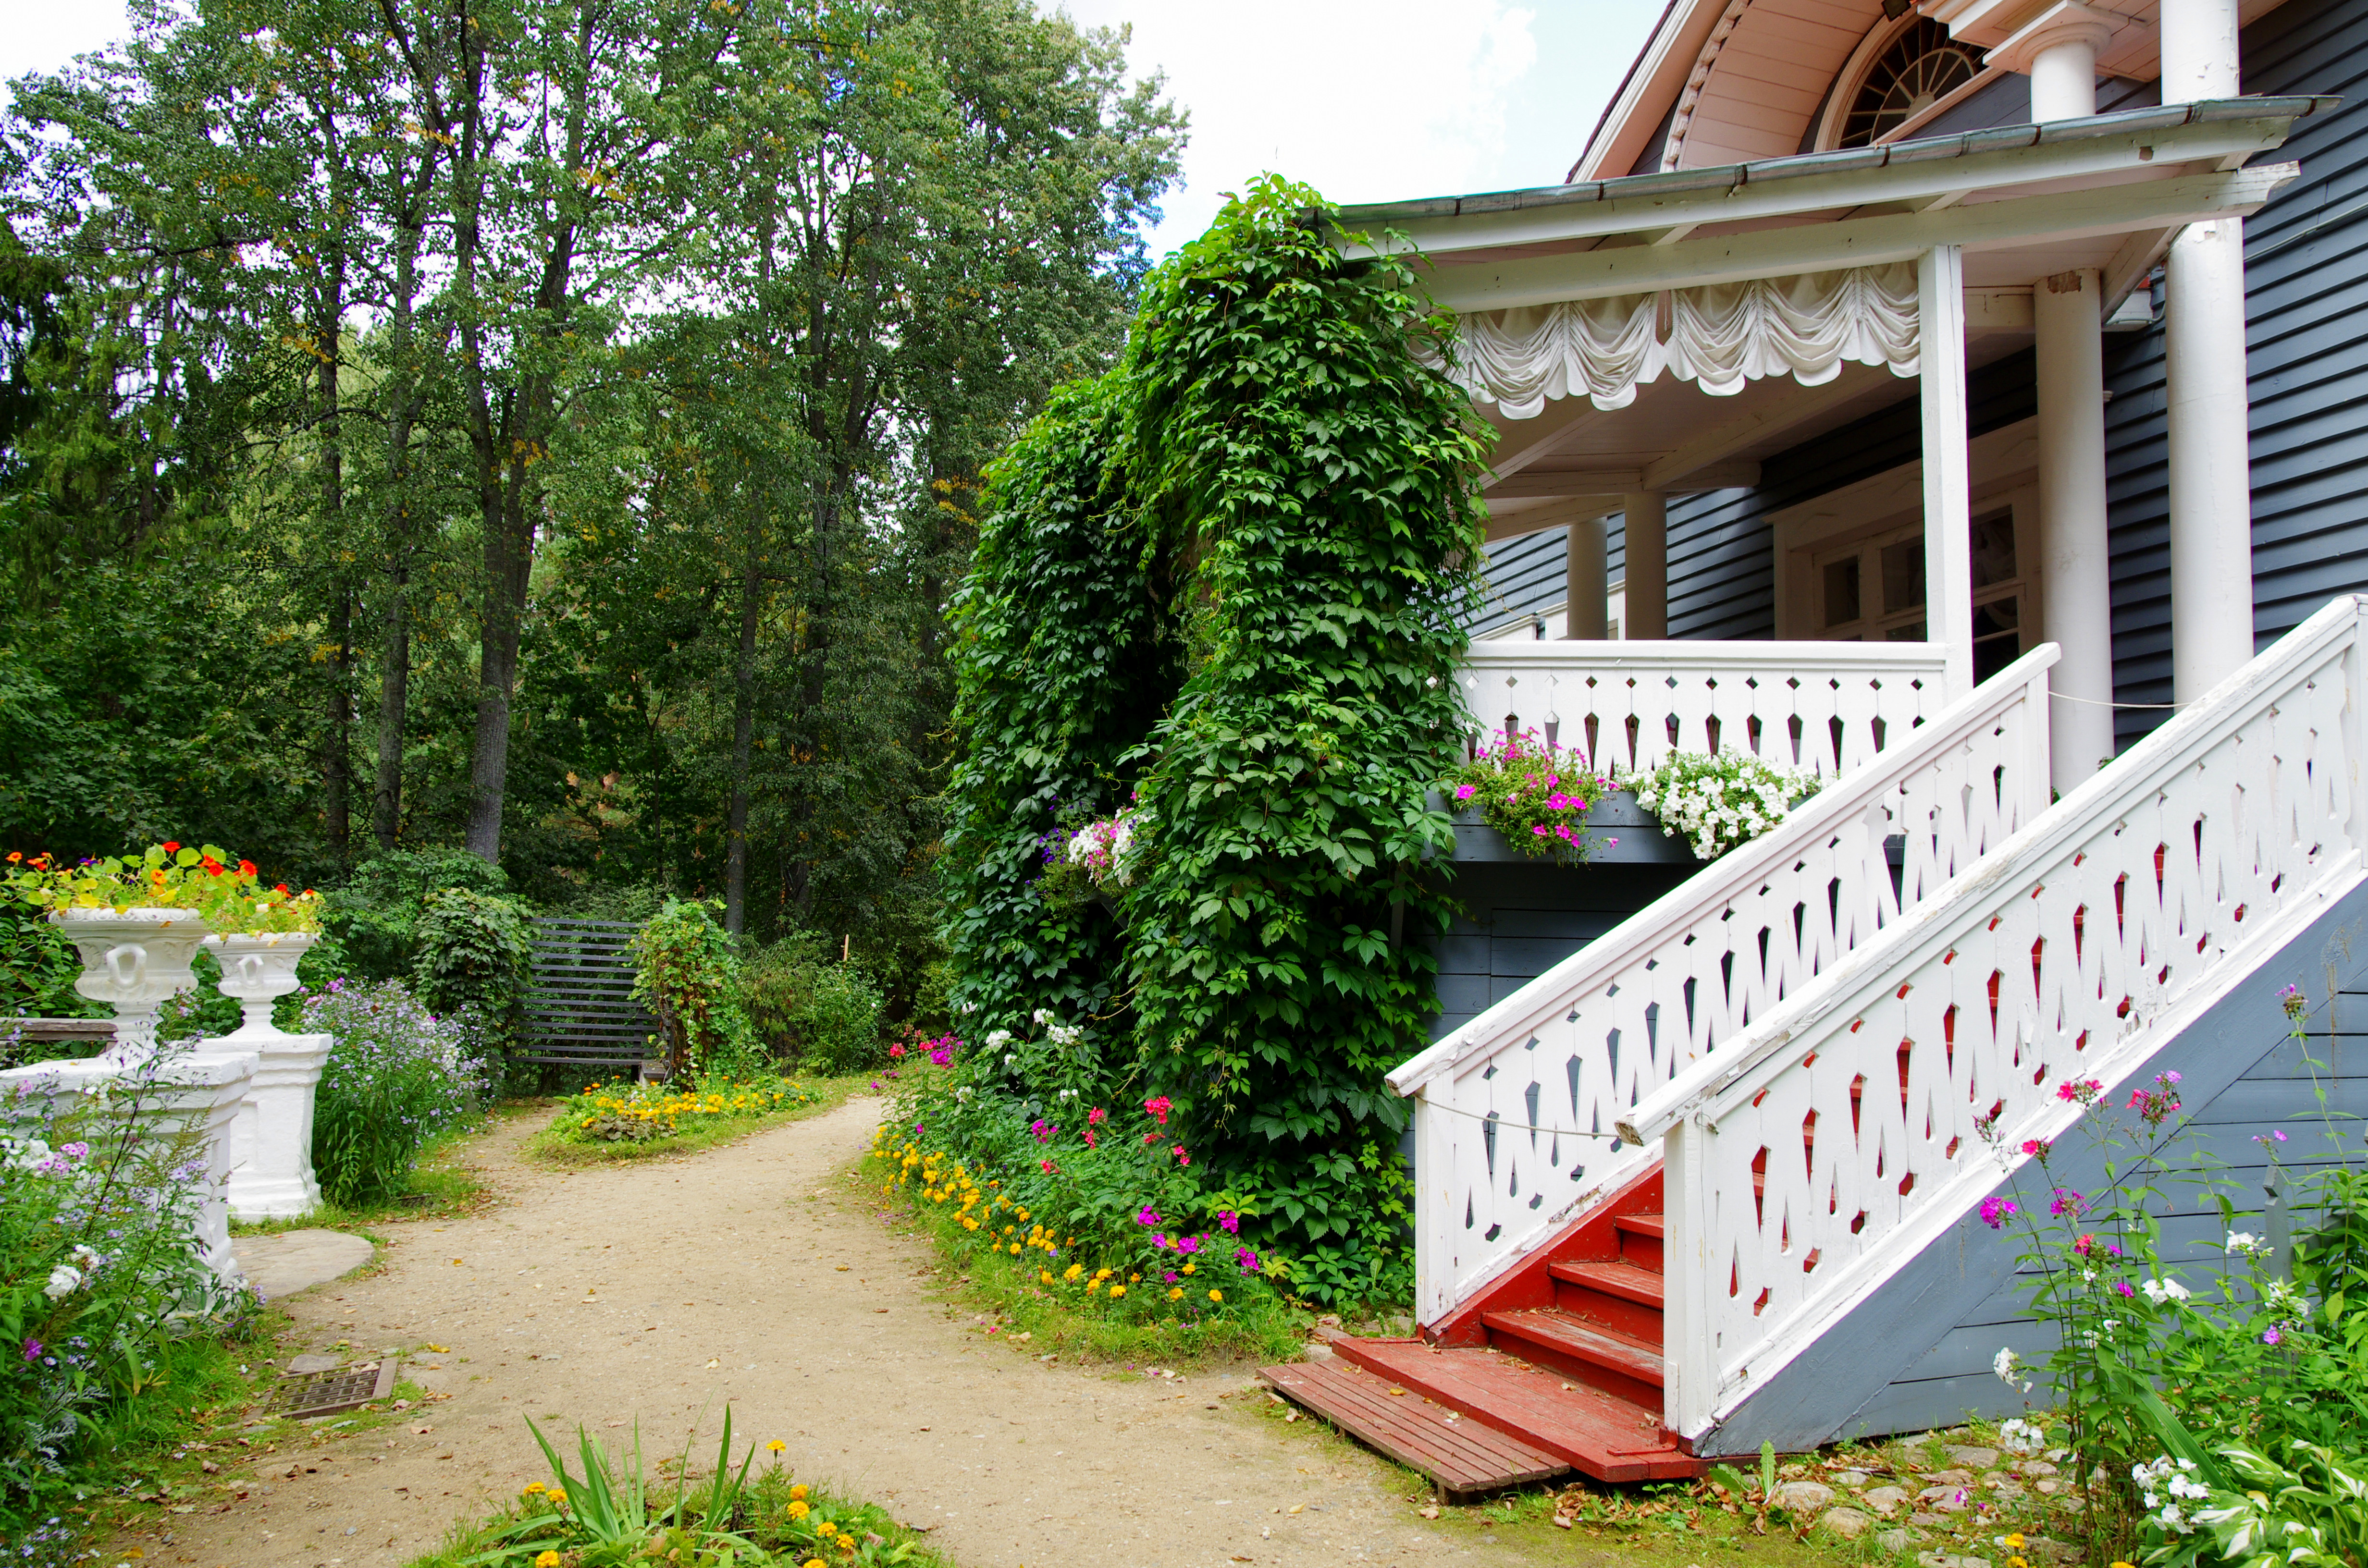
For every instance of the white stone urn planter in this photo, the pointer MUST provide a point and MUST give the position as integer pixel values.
(132, 960)
(271, 1173)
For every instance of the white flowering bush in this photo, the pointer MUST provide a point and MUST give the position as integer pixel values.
(1104, 849)
(1716, 803)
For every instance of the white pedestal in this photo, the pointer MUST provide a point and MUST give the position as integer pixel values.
(271, 1144)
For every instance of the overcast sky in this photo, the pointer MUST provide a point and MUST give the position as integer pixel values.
(1367, 100)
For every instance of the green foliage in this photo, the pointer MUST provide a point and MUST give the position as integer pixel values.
(375, 915)
(687, 967)
(1277, 487)
(1326, 479)
(1536, 796)
(37, 967)
(1065, 661)
(2188, 1391)
(806, 1005)
(474, 951)
(616, 1511)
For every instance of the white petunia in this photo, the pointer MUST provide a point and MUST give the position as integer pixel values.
(64, 1280)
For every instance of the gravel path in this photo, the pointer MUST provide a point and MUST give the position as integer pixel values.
(759, 1274)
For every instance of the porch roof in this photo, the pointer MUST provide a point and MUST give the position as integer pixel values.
(2024, 202)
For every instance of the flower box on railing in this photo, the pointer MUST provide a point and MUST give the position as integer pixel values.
(1616, 817)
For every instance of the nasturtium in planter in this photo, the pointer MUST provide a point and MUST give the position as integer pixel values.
(223, 891)
(1535, 794)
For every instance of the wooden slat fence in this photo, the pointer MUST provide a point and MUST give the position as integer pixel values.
(579, 1002)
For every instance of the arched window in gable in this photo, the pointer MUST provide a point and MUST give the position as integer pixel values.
(1921, 65)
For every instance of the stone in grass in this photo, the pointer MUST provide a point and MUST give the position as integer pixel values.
(2044, 1549)
(1803, 1497)
(1950, 1478)
(1855, 1480)
(1971, 1459)
(1943, 1560)
(1847, 1523)
(1892, 1541)
(1883, 1499)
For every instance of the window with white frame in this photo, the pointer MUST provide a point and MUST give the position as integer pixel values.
(1872, 590)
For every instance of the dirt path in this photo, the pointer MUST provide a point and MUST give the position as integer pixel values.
(756, 1274)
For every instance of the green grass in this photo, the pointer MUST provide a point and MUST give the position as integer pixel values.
(551, 1146)
(1006, 1292)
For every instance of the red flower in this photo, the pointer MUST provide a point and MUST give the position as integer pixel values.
(1183, 1155)
(281, 889)
(170, 847)
(895, 1051)
(213, 867)
(247, 868)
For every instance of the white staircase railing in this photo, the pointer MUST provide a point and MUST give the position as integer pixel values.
(1825, 707)
(1515, 1110)
(1814, 1156)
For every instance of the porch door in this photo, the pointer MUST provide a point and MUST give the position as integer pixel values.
(1873, 591)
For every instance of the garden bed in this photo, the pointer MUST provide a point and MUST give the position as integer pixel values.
(1618, 832)
(610, 1123)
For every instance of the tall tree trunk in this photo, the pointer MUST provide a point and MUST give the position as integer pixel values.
(744, 730)
(404, 396)
(337, 775)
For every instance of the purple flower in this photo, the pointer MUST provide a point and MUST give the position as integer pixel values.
(2271, 1337)
(2066, 1202)
(33, 1348)
(1995, 1211)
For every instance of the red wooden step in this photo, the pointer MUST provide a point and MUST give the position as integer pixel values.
(1459, 1455)
(1625, 1280)
(1594, 1355)
(1598, 1433)
(1641, 1239)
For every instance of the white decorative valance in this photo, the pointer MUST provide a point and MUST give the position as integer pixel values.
(1719, 337)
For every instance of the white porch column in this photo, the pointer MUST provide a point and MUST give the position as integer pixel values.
(2203, 368)
(1584, 582)
(2058, 51)
(2074, 571)
(1647, 613)
(1947, 505)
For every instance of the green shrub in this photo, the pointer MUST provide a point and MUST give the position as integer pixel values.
(688, 969)
(376, 915)
(474, 951)
(38, 969)
(806, 1005)
(397, 1077)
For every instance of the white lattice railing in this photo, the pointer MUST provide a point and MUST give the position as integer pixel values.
(1825, 706)
(1818, 1153)
(1514, 1111)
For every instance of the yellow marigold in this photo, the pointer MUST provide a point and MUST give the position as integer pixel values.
(799, 1494)
(1117, 1291)
(1216, 1295)
(798, 1510)
(1014, 1249)
(2012, 1541)
(547, 1560)
(1176, 1294)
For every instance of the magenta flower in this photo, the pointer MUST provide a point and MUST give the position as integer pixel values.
(2066, 1202)
(1229, 1222)
(1146, 1216)
(2124, 1286)
(33, 1349)
(2269, 1337)
(1465, 792)
(1247, 1260)
(1995, 1211)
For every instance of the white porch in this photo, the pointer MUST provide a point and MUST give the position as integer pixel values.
(1640, 338)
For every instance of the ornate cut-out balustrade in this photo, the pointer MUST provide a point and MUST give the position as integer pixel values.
(1823, 1147)
(1825, 707)
(1516, 1110)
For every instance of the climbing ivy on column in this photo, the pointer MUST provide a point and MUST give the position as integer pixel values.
(1064, 661)
(1296, 442)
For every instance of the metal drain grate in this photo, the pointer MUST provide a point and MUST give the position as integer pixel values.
(326, 1394)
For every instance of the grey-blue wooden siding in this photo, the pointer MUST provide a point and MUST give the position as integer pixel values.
(1519, 921)
(2307, 364)
(1529, 574)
